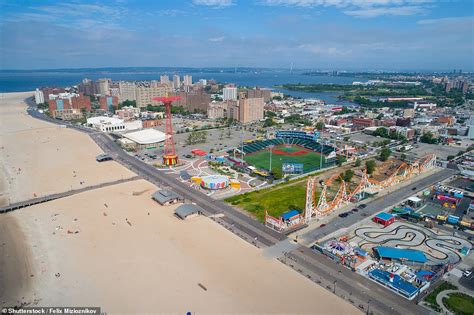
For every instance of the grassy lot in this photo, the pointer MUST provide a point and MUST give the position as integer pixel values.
(275, 200)
(459, 303)
(430, 299)
(261, 159)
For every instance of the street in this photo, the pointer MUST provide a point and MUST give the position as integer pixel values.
(363, 293)
(376, 205)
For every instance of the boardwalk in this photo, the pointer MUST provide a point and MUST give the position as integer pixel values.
(34, 201)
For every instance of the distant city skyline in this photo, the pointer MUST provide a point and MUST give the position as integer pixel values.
(302, 34)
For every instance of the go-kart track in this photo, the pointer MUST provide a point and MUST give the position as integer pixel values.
(439, 249)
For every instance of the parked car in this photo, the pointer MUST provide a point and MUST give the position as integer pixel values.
(355, 210)
(362, 206)
(414, 188)
(467, 273)
(322, 225)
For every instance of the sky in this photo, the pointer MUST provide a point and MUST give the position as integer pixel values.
(315, 34)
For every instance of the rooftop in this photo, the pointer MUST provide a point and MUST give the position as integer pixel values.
(104, 120)
(165, 195)
(289, 214)
(384, 216)
(186, 210)
(146, 136)
(401, 254)
(398, 283)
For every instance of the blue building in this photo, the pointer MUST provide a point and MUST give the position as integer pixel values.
(394, 282)
(404, 255)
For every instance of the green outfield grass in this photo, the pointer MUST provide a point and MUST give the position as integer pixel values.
(261, 159)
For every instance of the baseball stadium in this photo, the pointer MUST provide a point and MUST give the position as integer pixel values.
(291, 151)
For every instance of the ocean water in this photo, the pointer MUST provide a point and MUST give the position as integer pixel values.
(17, 81)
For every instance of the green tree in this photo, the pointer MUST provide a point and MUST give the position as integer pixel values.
(340, 160)
(277, 173)
(427, 137)
(370, 166)
(385, 154)
(403, 157)
(357, 162)
(320, 125)
(348, 175)
(268, 122)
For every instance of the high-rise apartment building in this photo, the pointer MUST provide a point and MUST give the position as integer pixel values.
(176, 81)
(39, 97)
(86, 87)
(103, 86)
(195, 101)
(187, 80)
(258, 92)
(217, 110)
(127, 91)
(145, 94)
(164, 79)
(251, 109)
(229, 93)
(232, 109)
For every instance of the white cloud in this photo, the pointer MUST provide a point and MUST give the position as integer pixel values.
(214, 3)
(323, 50)
(217, 39)
(170, 12)
(397, 11)
(448, 20)
(361, 8)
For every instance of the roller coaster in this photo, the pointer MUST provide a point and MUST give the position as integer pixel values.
(316, 207)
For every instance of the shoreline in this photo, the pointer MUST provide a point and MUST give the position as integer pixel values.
(16, 264)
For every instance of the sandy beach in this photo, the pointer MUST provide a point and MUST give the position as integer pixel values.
(116, 248)
(39, 158)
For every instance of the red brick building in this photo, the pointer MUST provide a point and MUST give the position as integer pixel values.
(79, 103)
(108, 102)
(362, 122)
(150, 123)
(48, 91)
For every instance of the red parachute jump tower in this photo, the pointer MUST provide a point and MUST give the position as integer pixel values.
(169, 157)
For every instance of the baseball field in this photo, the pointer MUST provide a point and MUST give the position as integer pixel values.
(285, 154)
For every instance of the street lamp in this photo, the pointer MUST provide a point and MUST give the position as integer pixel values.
(334, 290)
(368, 305)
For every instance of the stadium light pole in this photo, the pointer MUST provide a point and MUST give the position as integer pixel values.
(271, 147)
(322, 147)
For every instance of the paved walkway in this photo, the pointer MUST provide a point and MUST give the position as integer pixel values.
(42, 199)
(445, 293)
(441, 296)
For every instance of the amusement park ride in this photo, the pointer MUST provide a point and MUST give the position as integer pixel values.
(320, 207)
(170, 157)
(317, 207)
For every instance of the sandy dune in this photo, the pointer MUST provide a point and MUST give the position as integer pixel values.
(112, 248)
